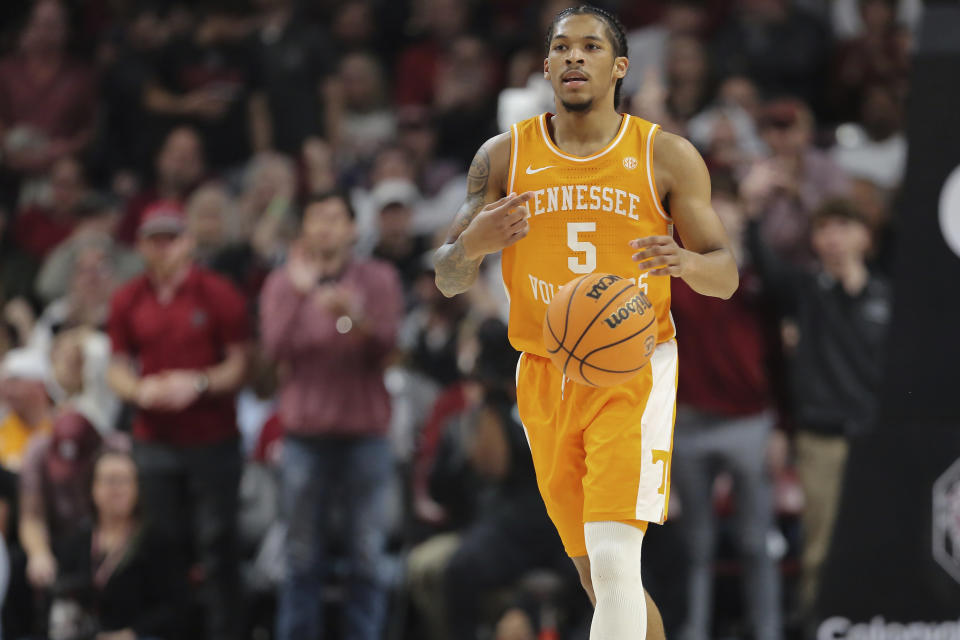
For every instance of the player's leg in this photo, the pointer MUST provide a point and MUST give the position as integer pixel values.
(627, 424)
(582, 563)
(614, 551)
(557, 440)
(655, 630)
(553, 431)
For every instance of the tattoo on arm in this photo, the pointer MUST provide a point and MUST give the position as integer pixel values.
(479, 173)
(455, 272)
(477, 180)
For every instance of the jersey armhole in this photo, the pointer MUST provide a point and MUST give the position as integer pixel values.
(514, 143)
(653, 183)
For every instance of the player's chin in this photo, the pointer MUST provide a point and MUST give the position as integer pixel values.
(576, 103)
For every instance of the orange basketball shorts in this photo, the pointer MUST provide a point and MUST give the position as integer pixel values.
(600, 454)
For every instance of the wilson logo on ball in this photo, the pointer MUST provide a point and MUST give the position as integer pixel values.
(637, 304)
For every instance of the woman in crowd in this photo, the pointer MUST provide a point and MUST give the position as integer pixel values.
(125, 580)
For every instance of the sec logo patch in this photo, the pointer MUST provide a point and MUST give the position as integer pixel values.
(630, 163)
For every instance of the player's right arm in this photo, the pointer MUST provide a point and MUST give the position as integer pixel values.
(487, 222)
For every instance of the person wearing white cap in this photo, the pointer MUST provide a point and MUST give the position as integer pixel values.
(24, 374)
(394, 201)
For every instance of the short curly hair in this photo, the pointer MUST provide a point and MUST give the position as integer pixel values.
(616, 32)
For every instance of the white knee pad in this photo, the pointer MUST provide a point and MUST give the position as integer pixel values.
(614, 552)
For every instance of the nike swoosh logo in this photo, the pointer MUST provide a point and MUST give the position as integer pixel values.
(531, 170)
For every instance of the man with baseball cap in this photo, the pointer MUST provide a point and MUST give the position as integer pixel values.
(180, 347)
(394, 201)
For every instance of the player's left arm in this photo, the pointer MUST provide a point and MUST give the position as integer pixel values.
(705, 261)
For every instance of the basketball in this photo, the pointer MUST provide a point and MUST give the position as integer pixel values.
(600, 330)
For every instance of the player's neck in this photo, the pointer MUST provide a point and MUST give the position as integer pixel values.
(584, 133)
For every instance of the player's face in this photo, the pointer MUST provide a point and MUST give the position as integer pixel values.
(582, 64)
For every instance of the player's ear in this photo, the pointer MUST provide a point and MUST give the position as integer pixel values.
(620, 66)
(546, 68)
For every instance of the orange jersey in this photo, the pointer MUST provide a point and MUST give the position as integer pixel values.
(584, 212)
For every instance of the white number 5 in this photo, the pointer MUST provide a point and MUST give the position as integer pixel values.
(588, 249)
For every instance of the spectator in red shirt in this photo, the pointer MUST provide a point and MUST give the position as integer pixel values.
(179, 337)
(39, 228)
(724, 422)
(331, 321)
(47, 99)
(180, 167)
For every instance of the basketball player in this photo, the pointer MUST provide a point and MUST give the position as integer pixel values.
(589, 189)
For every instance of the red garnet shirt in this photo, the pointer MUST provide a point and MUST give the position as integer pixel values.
(334, 385)
(725, 349)
(191, 331)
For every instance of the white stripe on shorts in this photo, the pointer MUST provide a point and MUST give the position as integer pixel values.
(526, 434)
(657, 433)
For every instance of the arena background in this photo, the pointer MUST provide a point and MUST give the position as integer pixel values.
(388, 101)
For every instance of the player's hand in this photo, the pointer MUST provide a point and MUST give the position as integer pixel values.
(498, 225)
(660, 255)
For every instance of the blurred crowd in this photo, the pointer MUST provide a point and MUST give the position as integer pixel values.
(233, 404)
